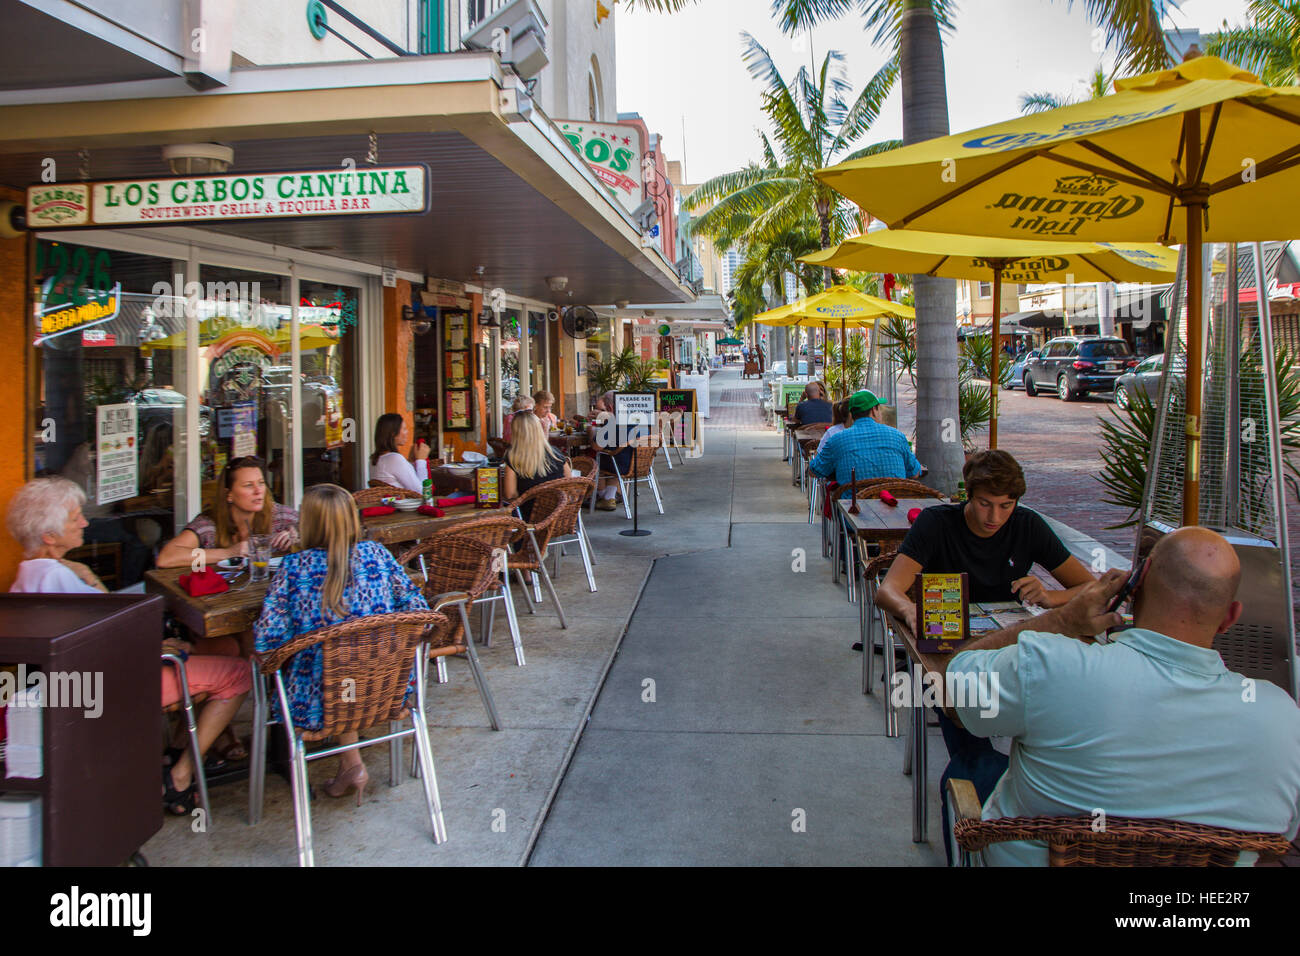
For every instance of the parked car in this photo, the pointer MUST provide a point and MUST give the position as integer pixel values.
(1073, 365)
(777, 370)
(1017, 379)
(1142, 378)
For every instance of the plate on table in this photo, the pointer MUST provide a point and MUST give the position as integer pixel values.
(462, 469)
(274, 562)
(407, 504)
(231, 564)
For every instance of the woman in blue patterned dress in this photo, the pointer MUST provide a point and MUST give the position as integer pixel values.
(335, 577)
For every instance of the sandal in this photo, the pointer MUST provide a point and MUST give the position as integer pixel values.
(178, 802)
(211, 764)
(230, 747)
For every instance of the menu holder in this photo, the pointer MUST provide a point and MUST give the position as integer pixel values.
(942, 613)
(487, 487)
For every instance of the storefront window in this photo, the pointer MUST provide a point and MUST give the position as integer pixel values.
(539, 337)
(111, 397)
(327, 323)
(244, 374)
(509, 359)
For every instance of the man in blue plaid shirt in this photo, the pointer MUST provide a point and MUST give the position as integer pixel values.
(867, 448)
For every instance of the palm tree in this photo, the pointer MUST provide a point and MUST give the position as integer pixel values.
(912, 29)
(1098, 86)
(1268, 45)
(813, 126)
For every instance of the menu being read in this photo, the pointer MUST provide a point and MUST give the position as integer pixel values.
(942, 613)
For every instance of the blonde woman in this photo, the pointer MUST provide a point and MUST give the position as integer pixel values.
(335, 577)
(531, 460)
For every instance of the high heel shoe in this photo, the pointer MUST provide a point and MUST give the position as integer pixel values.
(353, 778)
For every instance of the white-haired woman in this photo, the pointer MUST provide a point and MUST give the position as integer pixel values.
(45, 517)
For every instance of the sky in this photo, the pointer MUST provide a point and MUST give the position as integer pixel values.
(684, 73)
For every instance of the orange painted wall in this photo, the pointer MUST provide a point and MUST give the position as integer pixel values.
(15, 429)
(399, 341)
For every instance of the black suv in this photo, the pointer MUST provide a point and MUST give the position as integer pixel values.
(1072, 365)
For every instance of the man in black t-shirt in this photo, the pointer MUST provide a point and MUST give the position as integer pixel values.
(989, 537)
(995, 542)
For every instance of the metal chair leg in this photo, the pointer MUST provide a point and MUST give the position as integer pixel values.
(428, 778)
(582, 530)
(441, 670)
(511, 618)
(394, 755)
(891, 715)
(654, 486)
(546, 579)
(586, 563)
(537, 584)
(257, 749)
(477, 670)
(523, 586)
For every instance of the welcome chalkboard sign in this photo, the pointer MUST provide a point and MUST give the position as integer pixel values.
(678, 412)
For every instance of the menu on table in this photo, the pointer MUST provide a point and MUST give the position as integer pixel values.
(487, 487)
(942, 612)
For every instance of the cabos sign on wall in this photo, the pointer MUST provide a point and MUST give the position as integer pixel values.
(613, 152)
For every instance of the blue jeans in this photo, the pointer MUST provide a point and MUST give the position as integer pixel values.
(969, 758)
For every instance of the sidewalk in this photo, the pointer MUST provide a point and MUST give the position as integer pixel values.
(732, 729)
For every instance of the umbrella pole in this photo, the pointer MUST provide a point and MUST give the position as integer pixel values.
(1195, 343)
(997, 353)
(844, 358)
(826, 348)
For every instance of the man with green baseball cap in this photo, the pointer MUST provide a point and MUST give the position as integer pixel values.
(866, 448)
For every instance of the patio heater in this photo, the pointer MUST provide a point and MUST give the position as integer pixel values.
(1241, 463)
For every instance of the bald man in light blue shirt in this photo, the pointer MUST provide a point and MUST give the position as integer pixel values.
(1149, 725)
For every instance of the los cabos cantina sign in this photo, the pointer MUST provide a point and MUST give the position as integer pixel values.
(373, 190)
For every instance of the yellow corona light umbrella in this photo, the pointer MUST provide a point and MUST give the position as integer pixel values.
(854, 309)
(1017, 260)
(1200, 152)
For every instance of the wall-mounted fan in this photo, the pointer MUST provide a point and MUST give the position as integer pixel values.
(579, 321)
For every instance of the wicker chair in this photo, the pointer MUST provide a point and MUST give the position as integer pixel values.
(186, 705)
(549, 508)
(901, 487)
(642, 469)
(371, 656)
(373, 495)
(566, 528)
(1125, 841)
(459, 570)
(872, 488)
(501, 533)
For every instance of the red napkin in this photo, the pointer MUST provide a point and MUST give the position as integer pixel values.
(889, 499)
(203, 582)
(911, 515)
(431, 511)
(453, 502)
(375, 511)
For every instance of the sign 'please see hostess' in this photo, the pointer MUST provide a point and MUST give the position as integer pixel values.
(328, 192)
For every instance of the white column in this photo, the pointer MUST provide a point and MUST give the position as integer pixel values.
(293, 454)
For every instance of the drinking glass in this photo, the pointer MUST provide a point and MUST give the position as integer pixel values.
(259, 553)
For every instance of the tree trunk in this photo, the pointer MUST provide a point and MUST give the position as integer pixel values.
(925, 116)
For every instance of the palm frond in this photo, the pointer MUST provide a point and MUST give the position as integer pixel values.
(1133, 28)
(725, 184)
(1269, 55)
(866, 109)
(885, 17)
(1038, 102)
(798, 16)
(874, 149)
